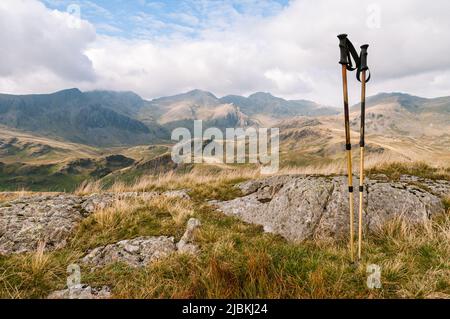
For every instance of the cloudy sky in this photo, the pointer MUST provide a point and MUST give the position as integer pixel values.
(157, 48)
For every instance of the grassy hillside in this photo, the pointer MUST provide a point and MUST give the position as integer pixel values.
(36, 163)
(25, 147)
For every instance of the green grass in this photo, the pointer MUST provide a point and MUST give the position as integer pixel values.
(37, 178)
(48, 177)
(446, 202)
(130, 220)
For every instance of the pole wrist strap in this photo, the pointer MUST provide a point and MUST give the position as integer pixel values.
(354, 61)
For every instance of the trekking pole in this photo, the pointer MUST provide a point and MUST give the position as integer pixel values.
(362, 68)
(345, 62)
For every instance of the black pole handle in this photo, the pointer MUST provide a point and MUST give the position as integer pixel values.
(363, 58)
(344, 50)
(363, 64)
(363, 68)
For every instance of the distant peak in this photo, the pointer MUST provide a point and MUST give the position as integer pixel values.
(66, 94)
(71, 90)
(261, 94)
(116, 93)
(395, 94)
(198, 92)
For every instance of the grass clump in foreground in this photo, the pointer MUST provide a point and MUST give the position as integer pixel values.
(236, 260)
(420, 169)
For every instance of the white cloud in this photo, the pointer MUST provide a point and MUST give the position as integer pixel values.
(41, 44)
(293, 54)
(288, 82)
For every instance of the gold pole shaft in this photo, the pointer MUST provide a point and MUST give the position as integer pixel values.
(361, 166)
(349, 160)
(351, 204)
(361, 203)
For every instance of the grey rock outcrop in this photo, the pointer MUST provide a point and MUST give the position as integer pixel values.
(438, 187)
(81, 292)
(26, 222)
(182, 193)
(185, 244)
(50, 219)
(135, 252)
(141, 251)
(303, 207)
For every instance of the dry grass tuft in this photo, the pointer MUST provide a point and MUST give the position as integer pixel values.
(39, 260)
(421, 169)
(89, 187)
(192, 179)
(204, 183)
(9, 196)
(339, 165)
(112, 216)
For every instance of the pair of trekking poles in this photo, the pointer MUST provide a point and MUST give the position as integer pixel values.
(348, 53)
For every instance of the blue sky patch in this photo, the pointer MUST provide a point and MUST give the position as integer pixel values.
(147, 19)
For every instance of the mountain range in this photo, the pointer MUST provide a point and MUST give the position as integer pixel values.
(105, 118)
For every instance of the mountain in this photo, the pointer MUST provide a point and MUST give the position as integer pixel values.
(269, 105)
(409, 102)
(194, 97)
(404, 114)
(229, 111)
(126, 103)
(180, 111)
(97, 118)
(399, 127)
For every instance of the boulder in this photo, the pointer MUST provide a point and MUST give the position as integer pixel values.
(81, 292)
(185, 244)
(301, 207)
(28, 221)
(180, 194)
(136, 252)
(141, 251)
